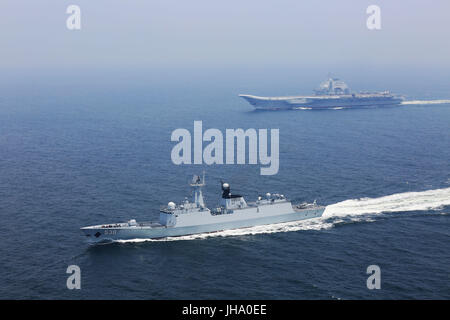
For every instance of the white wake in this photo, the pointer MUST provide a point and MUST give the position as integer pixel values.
(355, 209)
(426, 102)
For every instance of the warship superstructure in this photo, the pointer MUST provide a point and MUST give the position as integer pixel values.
(193, 217)
(332, 93)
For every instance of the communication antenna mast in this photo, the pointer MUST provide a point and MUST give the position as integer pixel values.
(197, 183)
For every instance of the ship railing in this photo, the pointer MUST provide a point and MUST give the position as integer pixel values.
(113, 225)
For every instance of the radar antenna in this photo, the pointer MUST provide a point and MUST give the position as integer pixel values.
(197, 181)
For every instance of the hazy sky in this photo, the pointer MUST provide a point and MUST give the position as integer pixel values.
(190, 33)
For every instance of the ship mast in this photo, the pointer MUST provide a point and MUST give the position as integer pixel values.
(197, 184)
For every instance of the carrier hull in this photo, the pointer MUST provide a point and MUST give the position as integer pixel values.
(318, 102)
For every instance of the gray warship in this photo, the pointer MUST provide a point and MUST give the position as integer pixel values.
(193, 217)
(332, 93)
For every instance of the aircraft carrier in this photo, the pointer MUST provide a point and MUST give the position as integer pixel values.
(193, 217)
(332, 93)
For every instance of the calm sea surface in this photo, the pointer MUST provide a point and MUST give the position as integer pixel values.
(81, 153)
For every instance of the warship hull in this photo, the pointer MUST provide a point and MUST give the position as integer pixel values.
(207, 224)
(321, 102)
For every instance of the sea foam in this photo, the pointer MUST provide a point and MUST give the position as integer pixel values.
(426, 102)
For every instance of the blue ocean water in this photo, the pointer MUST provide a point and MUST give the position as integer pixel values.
(82, 152)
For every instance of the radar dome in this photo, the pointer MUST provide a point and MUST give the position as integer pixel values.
(268, 195)
(171, 205)
(226, 185)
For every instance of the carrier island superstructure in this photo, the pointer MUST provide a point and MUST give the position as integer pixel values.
(193, 217)
(332, 93)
